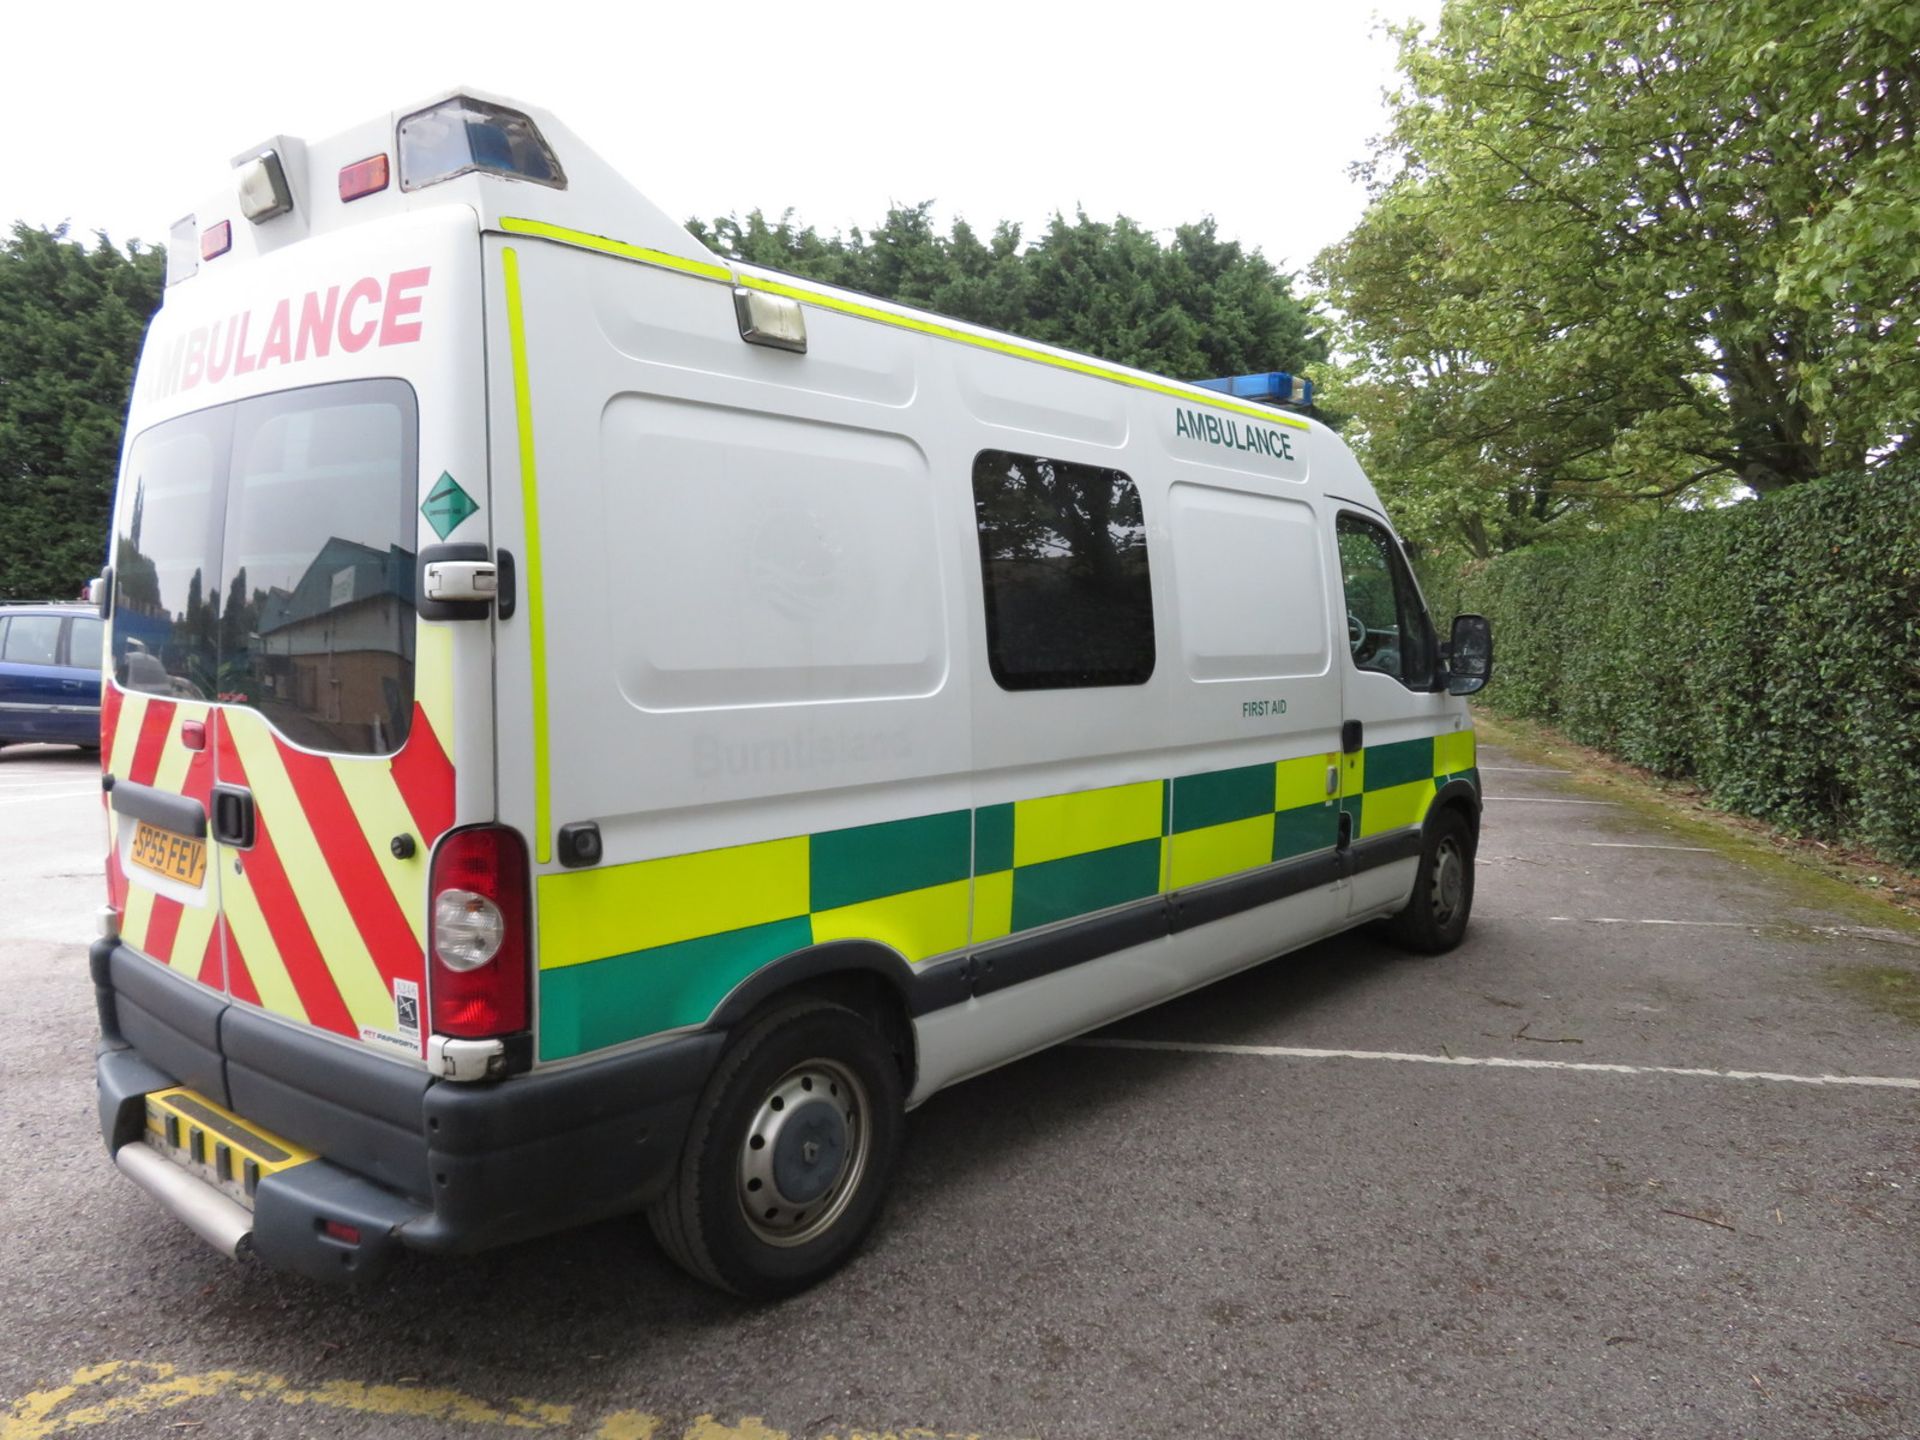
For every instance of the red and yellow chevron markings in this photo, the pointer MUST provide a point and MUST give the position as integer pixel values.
(319, 919)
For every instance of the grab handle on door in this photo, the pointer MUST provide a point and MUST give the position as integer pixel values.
(233, 816)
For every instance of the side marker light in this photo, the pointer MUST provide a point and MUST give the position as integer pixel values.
(216, 240)
(363, 177)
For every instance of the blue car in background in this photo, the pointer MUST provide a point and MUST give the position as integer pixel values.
(50, 674)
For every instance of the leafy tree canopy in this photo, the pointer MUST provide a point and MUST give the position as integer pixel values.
(71, 318)
(1620, 255)
(1195, 307)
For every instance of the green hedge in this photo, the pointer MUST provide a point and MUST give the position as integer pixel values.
(1769, 651)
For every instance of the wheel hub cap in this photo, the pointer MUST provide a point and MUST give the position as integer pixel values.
(804, 1153)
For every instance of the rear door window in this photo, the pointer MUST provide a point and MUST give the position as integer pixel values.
(317, 630)
(265, 559)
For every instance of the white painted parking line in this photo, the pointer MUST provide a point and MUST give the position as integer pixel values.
(1501, 1062)
(1639, 845)
(62, 795)
(1545, 800)
(1522, 770)
(1637, 920)
(7, 788)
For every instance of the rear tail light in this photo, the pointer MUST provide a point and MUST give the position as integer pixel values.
(477, 941)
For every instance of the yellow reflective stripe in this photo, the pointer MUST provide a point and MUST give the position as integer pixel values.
(133, 712)
(1210, 398)
(530, 509)
(588, 914)
(196, 924)
(540, 229)
(433, 679)
(1302, 781)
(1217, 850)
(133, 924)
(1395, 807)
(382, 812)
(1453, 752)
(1353, 773)
(992, 905)
(315, 890)
(242, 910)
(1055, 826)
(846, 305)
(917, 923)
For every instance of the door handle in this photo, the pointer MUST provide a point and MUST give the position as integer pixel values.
(233, 823)
(72, 684)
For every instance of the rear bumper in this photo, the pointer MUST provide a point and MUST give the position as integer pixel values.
(408, 1161)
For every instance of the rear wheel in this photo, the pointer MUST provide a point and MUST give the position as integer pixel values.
(788, 1155)
(1435, 919)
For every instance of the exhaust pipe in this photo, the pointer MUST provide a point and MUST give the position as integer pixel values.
(220, 1222)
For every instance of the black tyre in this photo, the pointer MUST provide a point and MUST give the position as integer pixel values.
(1435, 919)
(789, 1153)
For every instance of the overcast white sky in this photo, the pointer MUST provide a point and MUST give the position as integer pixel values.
(125, 115)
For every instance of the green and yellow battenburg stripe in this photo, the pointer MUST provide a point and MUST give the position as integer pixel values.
(631, 950)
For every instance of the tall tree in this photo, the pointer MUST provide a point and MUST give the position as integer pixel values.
(1622, 252)
(71, 318)
(1194, 306)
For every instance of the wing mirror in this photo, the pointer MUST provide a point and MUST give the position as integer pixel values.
(1469, 655)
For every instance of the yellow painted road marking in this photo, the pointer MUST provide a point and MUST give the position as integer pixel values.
(131, 1390)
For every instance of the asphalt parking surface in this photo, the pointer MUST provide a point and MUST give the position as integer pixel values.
(1300, 1209)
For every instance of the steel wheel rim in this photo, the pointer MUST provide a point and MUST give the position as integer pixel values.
(1449, 881)
(792, 1185)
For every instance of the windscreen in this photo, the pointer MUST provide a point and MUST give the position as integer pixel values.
(265, 559)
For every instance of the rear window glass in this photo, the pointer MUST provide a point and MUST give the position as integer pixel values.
(266, 554)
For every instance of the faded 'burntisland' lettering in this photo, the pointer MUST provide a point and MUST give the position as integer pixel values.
(1233, 434)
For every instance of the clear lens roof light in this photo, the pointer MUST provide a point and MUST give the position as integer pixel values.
(263, 189)
(461, 136)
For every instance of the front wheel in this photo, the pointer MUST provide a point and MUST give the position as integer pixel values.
(1435, 919)
(788, 1155)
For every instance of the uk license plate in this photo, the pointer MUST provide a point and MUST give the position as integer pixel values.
(165, 852)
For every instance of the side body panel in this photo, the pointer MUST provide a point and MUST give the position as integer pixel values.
(751, 651)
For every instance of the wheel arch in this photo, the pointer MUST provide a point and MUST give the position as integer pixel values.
(1458, 796)
(864, 975)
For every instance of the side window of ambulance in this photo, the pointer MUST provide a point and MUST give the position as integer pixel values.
(1387, 629)
(1063, 558)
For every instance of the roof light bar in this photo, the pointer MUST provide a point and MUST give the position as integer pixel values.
(363, 177)
(262, 183)
(462, 136)
(1271, 387)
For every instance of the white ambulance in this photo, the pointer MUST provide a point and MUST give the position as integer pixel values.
(591, 727)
